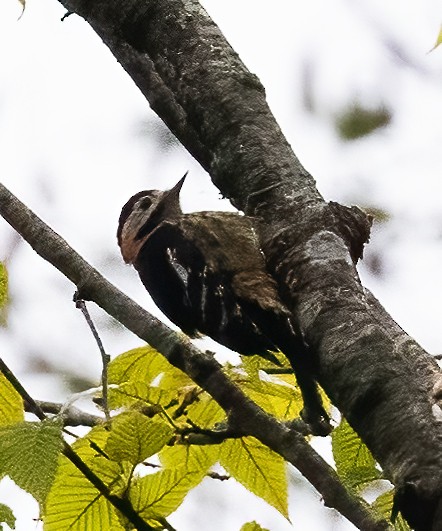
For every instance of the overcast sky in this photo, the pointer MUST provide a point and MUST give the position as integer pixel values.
(77, 139)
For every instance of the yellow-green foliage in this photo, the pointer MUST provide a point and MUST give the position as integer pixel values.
(6, 516)
(156, 404)
(158, 411)
(358, 471)
(73, 502)
(28, 455)
(11, 403)
(157, 446)
(354, 462)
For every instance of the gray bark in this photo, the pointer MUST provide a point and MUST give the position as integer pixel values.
(385, 384)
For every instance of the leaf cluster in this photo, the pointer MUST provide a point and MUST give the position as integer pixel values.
(163, 439)
(359, 472)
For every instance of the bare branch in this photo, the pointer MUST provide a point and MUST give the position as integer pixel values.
(71, 416)
(105, 358)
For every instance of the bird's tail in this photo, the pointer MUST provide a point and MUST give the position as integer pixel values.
(281, 332)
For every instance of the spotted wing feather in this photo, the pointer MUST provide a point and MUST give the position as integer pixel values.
(195, 286)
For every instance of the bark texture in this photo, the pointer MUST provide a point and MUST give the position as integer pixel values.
(380, 378)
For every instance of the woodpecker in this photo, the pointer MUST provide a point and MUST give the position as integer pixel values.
(207, 273)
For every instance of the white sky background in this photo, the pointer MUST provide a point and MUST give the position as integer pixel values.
(77, 139)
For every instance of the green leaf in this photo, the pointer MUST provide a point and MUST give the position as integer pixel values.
(383, 505)
(400, 524)
(277, 398)
(357, 121)
(252, 526)
(7, 516)
(205, 412)
(197, 458)
(157, 495)
(73, 503)
(258, 468)
(354, 462)
(145, 364)
(11, 403)
(173, 378)
(278, 395)
(142, 374)
(29, 454)
(130, 393)
(134, 437)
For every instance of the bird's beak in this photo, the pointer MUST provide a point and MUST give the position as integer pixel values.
(177, 188)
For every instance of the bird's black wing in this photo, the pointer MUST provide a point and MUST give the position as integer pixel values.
(188, 273)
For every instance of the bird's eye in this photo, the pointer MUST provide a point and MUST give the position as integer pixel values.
(145, 203)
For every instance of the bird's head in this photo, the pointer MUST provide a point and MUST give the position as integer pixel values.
(142, 214)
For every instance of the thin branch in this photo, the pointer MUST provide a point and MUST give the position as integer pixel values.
(219, 477)
(105, 358)
(66, 15)
(244, 415)
(277, 370)
(123, 505)
(201, 436)
(71, 416)
(166, 525)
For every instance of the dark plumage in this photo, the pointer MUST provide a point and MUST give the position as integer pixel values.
(206, 272)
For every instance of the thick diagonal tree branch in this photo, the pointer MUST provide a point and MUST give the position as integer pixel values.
(245, 415)
(382, 381)
(379, 377)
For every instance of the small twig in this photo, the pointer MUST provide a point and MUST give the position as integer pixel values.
(277, 370)
(213, 475)
(166, 525)
(220, 477)
(72, 416)
(189, 399)
(66, 15)
(105, 358)
(150, 465)
(201, 436)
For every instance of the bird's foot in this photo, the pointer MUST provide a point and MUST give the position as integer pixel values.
(317, 420)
